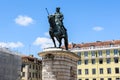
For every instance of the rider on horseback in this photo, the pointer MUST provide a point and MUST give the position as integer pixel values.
(57, 28)
(59, 21)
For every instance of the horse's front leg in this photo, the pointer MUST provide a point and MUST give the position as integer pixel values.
(60, 42)
(54, 41)
(52, 37)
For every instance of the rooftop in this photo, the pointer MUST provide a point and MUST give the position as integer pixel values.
(95, 44)
(9, 51)
(31, 58)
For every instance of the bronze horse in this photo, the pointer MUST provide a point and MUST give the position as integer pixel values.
(57, 32)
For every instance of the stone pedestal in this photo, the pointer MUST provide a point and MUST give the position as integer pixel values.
(58, 64)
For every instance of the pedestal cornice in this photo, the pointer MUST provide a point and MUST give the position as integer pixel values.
(58, 51)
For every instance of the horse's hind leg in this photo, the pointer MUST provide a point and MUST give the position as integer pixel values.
(66, 43)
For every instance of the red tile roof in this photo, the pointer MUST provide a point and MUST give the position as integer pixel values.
(29, 58)
(97, 43)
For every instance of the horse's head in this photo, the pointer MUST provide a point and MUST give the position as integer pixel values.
(51, 19)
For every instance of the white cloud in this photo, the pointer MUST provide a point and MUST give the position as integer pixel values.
(43, 42)
(23, 20)
(98, 28)
(11, 44)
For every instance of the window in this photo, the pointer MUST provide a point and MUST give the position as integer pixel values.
(115, 51)
(117, 70)
(101, 78)
(36, 75)
(94, 79)
(79, 71)
(33, 75)
(86, 62)
(111, 44)
(86, 71)
(79, 79)
(93, 61)
(79, 54)
(116, 60)
(93, 53)
(29, 74)
(117, 78)
(107, 52)
(36, 67)
(100, 53)
(101, 70)
(39, 76)
(23, 74)
(85, 54)
(109, 79)
(39, 67)
(79, 62)
(92, 46)
(23, 65)
(108, 60)
(93, 71)
(86, 79)
(109, 70)
(33, 66)
(100, 61)
(29, 65)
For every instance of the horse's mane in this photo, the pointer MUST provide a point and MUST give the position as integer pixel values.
(51, 19)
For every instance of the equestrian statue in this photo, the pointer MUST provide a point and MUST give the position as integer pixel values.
(57, 29)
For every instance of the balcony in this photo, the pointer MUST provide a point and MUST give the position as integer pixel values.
(86, 57)
(107, 56)
(116, 55)
(93, 57)
(100, 56)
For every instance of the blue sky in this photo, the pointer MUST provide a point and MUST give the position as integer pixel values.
(24, 25)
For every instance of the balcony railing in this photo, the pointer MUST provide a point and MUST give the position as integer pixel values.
(107, 56)
(100, 56)
(93, 57)
(86, 57)
(116, 55)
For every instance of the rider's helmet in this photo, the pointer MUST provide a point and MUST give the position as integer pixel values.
(57, 9)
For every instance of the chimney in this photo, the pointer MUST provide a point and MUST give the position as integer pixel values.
(31, 56)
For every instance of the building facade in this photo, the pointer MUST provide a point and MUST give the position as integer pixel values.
(10, 65)
(31, 68)
(98, 60)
